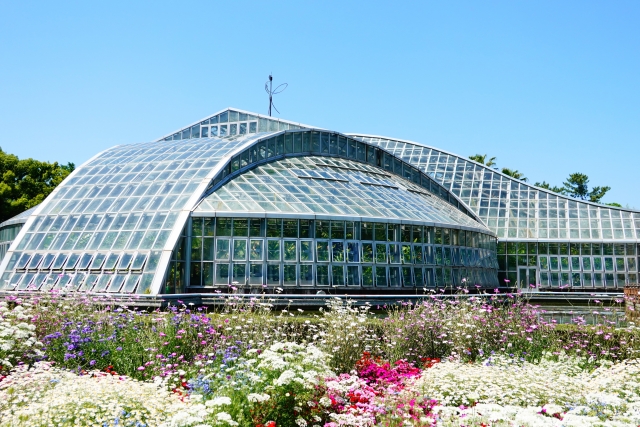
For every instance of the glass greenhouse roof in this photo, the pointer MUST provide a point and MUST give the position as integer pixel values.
(116, 214)
(331, 187)
(513, 209)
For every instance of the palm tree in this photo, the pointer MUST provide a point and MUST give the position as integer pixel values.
(513, 173)
(482, 158)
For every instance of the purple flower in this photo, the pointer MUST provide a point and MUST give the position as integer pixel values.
(93, 362)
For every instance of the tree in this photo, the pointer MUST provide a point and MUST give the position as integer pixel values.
(545, 184)
(482, 158)
(617, 205)
(577, 185)
(514, 174)
(26, 183)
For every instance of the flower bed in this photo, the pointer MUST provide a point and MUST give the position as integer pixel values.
(472, 362)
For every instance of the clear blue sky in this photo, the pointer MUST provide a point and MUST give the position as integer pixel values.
(548, 87)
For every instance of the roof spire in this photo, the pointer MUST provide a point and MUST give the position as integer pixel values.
(268, 87)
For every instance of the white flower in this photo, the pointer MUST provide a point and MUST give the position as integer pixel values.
(219, 401)
(223, 417)
(257, 397)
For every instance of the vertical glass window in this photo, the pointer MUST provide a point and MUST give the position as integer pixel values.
(381, 277)
(337, 275)
(290, 250)
(337, 251)
(223, 227)
(381, 253)
(417, 254)
(367, 276)
(353, 276)
(290, 228)
(273, 250)
(255, 228)
(597, 263)
(407, 279)
(367, 252)
(289, 275)
(337, 229)
(255, 274)
(575, 263)
(222, 274)
(322, 251)
(380, 232)
(222, 249)
(306, 228)
(608, 264)
(274, 227)
(255, 250)
(367, 230)
(394, 276)
(306, 250)
(322, 275)
(418, 276)
(239, 273)
(306, 274)
(273, 274)
(239, 249)
(322, 229)
(353, 252)
(406, 254)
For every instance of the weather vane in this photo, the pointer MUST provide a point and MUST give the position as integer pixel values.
(268, 87)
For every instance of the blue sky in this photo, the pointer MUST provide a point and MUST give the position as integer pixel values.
(547, 87)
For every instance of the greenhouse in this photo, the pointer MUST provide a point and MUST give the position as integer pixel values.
(255, 204)
(243, 202)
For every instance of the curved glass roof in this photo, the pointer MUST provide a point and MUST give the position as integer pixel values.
(513, 209)
(117, 212)
(331, 187)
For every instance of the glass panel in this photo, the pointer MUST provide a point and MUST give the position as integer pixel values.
(59, 262)
(289, 275)
(273, 250)
(255, 250)
(110, 262)
(381, 253)
(239, 249)
(222, 249)
(322, 275)
(255, 274)
(290, 250)
(337, 251)
(273, 274)
(239, 273)
(337, 275)
(125, 260)
(306, 250)
(222, 274)
(381, 277)
(322, 251)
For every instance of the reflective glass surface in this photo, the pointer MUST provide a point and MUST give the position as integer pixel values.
(330, 186)
(114, 213)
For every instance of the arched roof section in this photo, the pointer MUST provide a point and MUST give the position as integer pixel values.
(121, 210)
(330, 188)
(513, 209)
